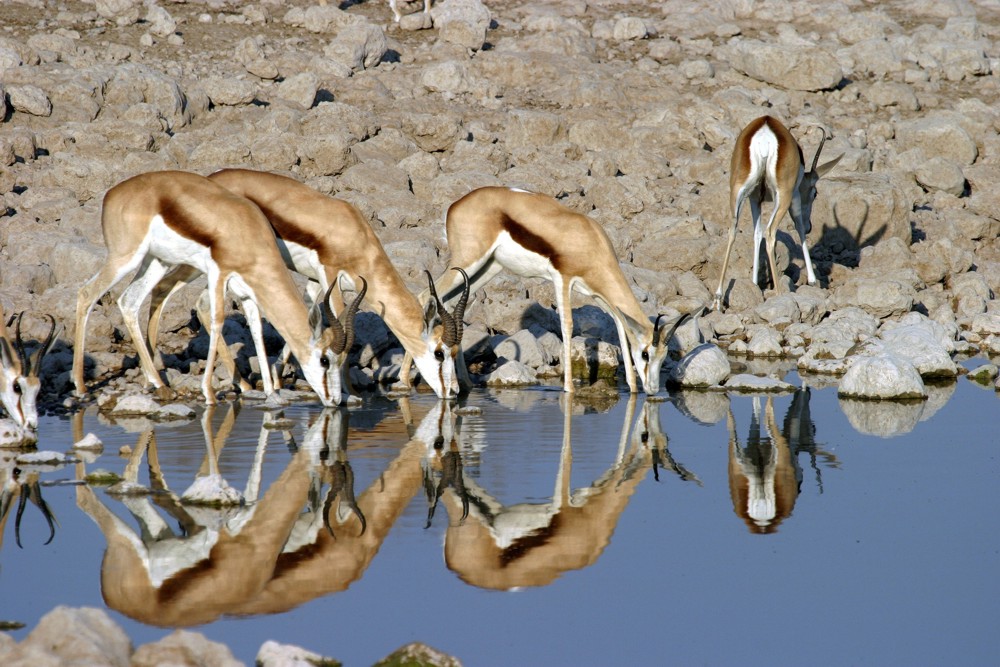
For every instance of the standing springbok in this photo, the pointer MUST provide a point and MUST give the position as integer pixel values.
(534, 236)
(766, 157)
(19, 381)
(159, 220)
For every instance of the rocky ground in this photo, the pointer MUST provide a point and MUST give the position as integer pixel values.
(626, 111)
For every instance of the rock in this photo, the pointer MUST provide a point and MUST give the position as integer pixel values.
(122, 12)
(183, 647)
(76, 636)
(360, 47)
(511, 374)
(462, 22)
(592, 359)
(883, 376)
(273, 654)
(791, 67)
(704, 366)
(89, 441)
(938, 135)
(984, 374)
(938, 173)
(753, 384)
(522, 347)
(213, 491)
(229, 91)
(299, 89)
(764, 342)
(417, 653)
(30, 100)
(161, 23)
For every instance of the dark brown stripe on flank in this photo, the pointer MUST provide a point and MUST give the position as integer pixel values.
(287, 230)
(178, 219)
(529, 240)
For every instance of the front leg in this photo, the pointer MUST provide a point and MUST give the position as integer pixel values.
(566, 326)
(216, 317)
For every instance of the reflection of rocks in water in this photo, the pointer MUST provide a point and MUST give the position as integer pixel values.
(702, 407)
(775, 368)
(937, 395)
(821, 380)
(598, 397)
(518, 399)
(882, 418)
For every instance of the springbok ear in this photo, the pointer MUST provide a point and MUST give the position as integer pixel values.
(826, 167)
(8, 356)
(633, 325)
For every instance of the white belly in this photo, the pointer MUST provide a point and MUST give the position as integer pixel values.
(521, 261)
(171, 249)
(301, 259)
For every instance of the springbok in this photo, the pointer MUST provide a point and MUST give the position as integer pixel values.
(328, 241)
(19, 381)
(767, 159)
(159, 220)
(534, 236)
(504, 547)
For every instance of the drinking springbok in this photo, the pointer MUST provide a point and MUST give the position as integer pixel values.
(19, 381)
(534, 236)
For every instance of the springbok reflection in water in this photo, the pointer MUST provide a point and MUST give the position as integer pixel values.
(319, 562)
(24, 485)
(500, 547)
(216, 561)
(765, 477)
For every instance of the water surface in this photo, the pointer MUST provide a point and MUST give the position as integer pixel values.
(707, 529)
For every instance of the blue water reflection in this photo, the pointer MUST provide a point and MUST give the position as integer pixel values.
(523, 527)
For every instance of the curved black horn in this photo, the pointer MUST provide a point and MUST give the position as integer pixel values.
(343, 481)
(819, 149)
(349, 314)
(336, 328)
(36, 359)
(656, 330)
(459, 312)
(450, 335)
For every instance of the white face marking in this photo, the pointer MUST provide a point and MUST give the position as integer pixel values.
(324, 376)
(648, 369)
(438, 373)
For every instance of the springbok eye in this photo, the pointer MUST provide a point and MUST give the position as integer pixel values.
(17, 388)
(324, 362)
(645, 355)
(439, 355)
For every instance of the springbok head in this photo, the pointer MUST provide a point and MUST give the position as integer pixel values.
(19, 382)
(650, 353)
(443, 335)
(330, 346)
(807, 186)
